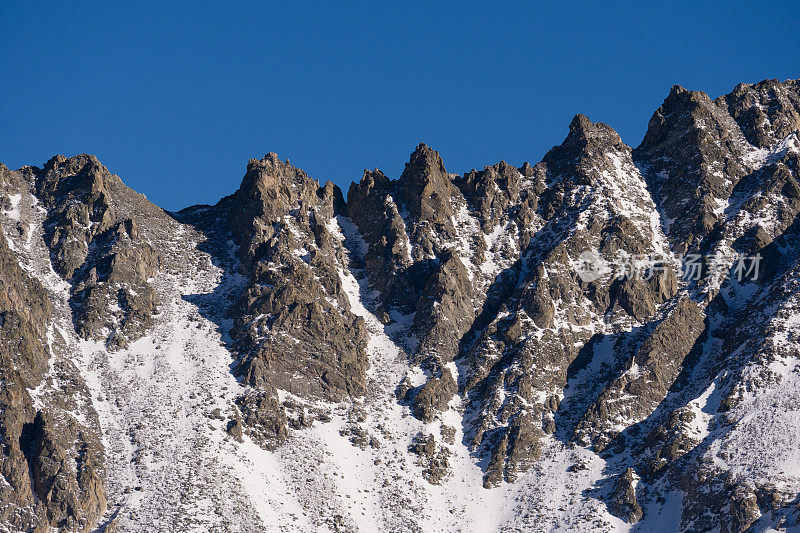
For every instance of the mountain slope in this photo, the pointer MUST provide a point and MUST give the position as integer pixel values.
(515, 348)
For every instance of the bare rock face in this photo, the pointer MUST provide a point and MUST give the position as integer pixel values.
(405, 223)
(443, 314)
(76, 191)
(649, 375)
(96, 246)
(623, 503)
(434, 395)
(425, 193)
(493, 190)
(428, 258)
(118, 279)
(263, 417)
(53, 469)
(514, 451)
(694, 157)
(281, 220)
(433, 458)
(375, 212)
(293, 328)
(526, 352)
(409, 226)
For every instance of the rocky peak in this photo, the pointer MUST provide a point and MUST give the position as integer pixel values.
(491, 191)
(372, 205)
(331, 195)
(526, 169)
(426, 191)
(80, 175)
(90, 233)
(275, 184)
(587, 154)
(693, 154)
(767, 111)
(294, 328)
(270, 191)
(424, 167)
(586, 142)
(374, 184)
(584, 132)
(683, 111)
(73, 165)
(271, 168)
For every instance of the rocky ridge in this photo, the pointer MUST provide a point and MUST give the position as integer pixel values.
(436, 329)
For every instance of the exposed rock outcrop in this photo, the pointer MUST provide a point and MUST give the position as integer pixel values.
(295, 329)
(53, 469)
(96, 246)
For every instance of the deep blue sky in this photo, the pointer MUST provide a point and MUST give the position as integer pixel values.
(175, 97)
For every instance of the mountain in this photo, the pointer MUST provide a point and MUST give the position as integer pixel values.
(606, 340)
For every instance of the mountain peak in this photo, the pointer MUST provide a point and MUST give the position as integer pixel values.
(425, 155)
(679, 95)
(682, 111)
(270, 160)
(766, 112)
(580, 123)
(74, 164)
(425, 166)
(583, 129)
(676, 91)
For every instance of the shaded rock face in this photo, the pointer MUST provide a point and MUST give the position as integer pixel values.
(649, 374)
(117, 279)
(520, 364)
(429, 258)
(375, 212)
(624, 502)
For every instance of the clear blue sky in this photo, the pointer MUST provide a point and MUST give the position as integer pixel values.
(175, 97)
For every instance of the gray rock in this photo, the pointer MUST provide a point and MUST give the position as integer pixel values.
(623, 502)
